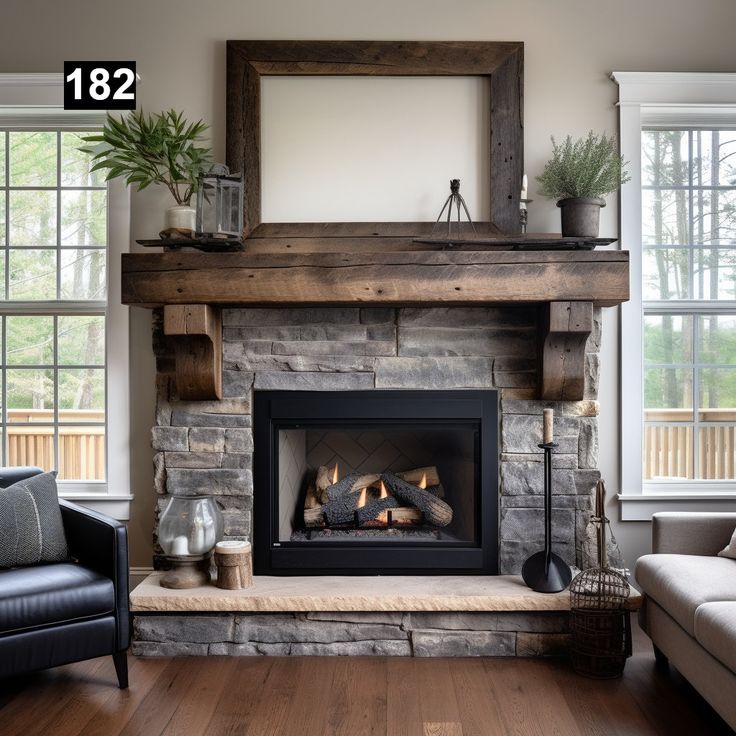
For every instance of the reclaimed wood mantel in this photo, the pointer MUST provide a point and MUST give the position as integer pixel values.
(567, 284)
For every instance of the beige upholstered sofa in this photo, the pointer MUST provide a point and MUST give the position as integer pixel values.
(690, 602)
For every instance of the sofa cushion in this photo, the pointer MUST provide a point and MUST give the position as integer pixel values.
(31, 529)
(52, 594)
(730, 549)
(681, 583)
(715, 630)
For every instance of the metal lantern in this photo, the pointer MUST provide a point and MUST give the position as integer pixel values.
(220, 204)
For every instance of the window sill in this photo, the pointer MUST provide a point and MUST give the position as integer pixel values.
(117, 506)
(640, 507)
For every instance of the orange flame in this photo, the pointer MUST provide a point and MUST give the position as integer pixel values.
(384, 492)
(334, 474)
(423, 481)
(361, 499)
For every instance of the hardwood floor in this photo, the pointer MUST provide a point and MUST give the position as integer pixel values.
(354, 696)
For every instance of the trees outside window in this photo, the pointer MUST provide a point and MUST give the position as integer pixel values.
(53, 300)
(688, 196)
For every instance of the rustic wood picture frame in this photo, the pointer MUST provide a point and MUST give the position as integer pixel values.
(501, 62)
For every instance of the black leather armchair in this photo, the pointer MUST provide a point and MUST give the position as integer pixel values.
(69, 611)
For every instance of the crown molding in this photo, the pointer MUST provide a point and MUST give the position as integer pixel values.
(676, 88)
(31, 80)
(672, 77)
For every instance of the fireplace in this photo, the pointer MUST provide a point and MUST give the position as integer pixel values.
(375, 482)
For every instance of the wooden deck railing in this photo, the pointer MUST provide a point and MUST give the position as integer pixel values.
(668, 448)
(81, 448)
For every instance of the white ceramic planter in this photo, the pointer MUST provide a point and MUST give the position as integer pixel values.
(181, 217)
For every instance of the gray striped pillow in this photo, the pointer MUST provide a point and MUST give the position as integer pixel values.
(31, 529)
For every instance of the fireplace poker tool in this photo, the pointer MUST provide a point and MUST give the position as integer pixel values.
(545, 571)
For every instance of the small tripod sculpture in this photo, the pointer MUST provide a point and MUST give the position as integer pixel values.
(457, 200)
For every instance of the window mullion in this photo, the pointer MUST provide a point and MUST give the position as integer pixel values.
(66, 308)
(689, 307)
(57, 456)
(58, 214)
(6, 439)
(690, 227)
(696, 399)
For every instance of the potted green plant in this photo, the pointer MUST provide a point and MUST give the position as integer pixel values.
(579, 174)
(149, 149)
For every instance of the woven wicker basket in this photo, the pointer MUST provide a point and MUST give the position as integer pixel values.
(600, 624)
(601, 642)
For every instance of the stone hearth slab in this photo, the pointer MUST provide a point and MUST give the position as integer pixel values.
(344, 593)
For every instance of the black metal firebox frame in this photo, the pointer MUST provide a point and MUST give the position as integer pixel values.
(275, 410)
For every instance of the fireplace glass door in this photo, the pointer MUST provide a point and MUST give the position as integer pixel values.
(375, 481)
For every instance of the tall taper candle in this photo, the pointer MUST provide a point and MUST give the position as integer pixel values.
(549, 416)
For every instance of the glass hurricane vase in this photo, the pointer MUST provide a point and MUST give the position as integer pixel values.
(190, 525)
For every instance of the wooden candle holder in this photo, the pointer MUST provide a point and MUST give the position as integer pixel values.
(234, 565)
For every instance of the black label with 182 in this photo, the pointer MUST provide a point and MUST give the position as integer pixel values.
(99, 85)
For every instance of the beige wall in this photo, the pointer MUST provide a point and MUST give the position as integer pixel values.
(571, 46)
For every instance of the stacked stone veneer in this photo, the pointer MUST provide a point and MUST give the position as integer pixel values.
(371, 633)
(207, 446)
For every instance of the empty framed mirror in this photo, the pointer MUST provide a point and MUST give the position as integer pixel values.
(361, 138)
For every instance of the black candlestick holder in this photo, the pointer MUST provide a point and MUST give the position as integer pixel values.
(524, 213)
(545, 571)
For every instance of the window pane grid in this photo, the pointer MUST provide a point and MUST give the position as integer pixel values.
(696, 441)
(53, 389)
(689, 303)
(72, 438)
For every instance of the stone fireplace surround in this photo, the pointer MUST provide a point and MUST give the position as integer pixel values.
(208, 444)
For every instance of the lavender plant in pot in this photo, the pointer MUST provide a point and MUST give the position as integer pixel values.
(149, 149)
(579, 174)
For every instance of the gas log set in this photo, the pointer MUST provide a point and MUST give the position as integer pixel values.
(406, 500)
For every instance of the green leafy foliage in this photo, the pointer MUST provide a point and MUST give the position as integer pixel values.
(587, 167)
(152, 149)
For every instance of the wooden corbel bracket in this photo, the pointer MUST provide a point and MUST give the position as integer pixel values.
(197, 333)
(567, 327)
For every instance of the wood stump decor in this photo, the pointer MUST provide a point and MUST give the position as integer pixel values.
(234, 565)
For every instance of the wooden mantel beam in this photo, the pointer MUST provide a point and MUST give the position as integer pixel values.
(197, 330)
(406, 278)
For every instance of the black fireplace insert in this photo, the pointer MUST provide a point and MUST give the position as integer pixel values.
(375, 482)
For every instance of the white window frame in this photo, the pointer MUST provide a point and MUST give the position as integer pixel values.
(36, 99)
(650, 98)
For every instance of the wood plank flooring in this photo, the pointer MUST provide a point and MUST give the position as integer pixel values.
(312, 696)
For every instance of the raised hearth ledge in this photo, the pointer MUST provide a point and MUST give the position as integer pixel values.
(344, 593)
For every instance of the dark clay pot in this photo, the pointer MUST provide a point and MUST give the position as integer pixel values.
(580, 216)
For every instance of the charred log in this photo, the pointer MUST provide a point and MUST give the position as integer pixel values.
(372, 510)
(435, 510)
